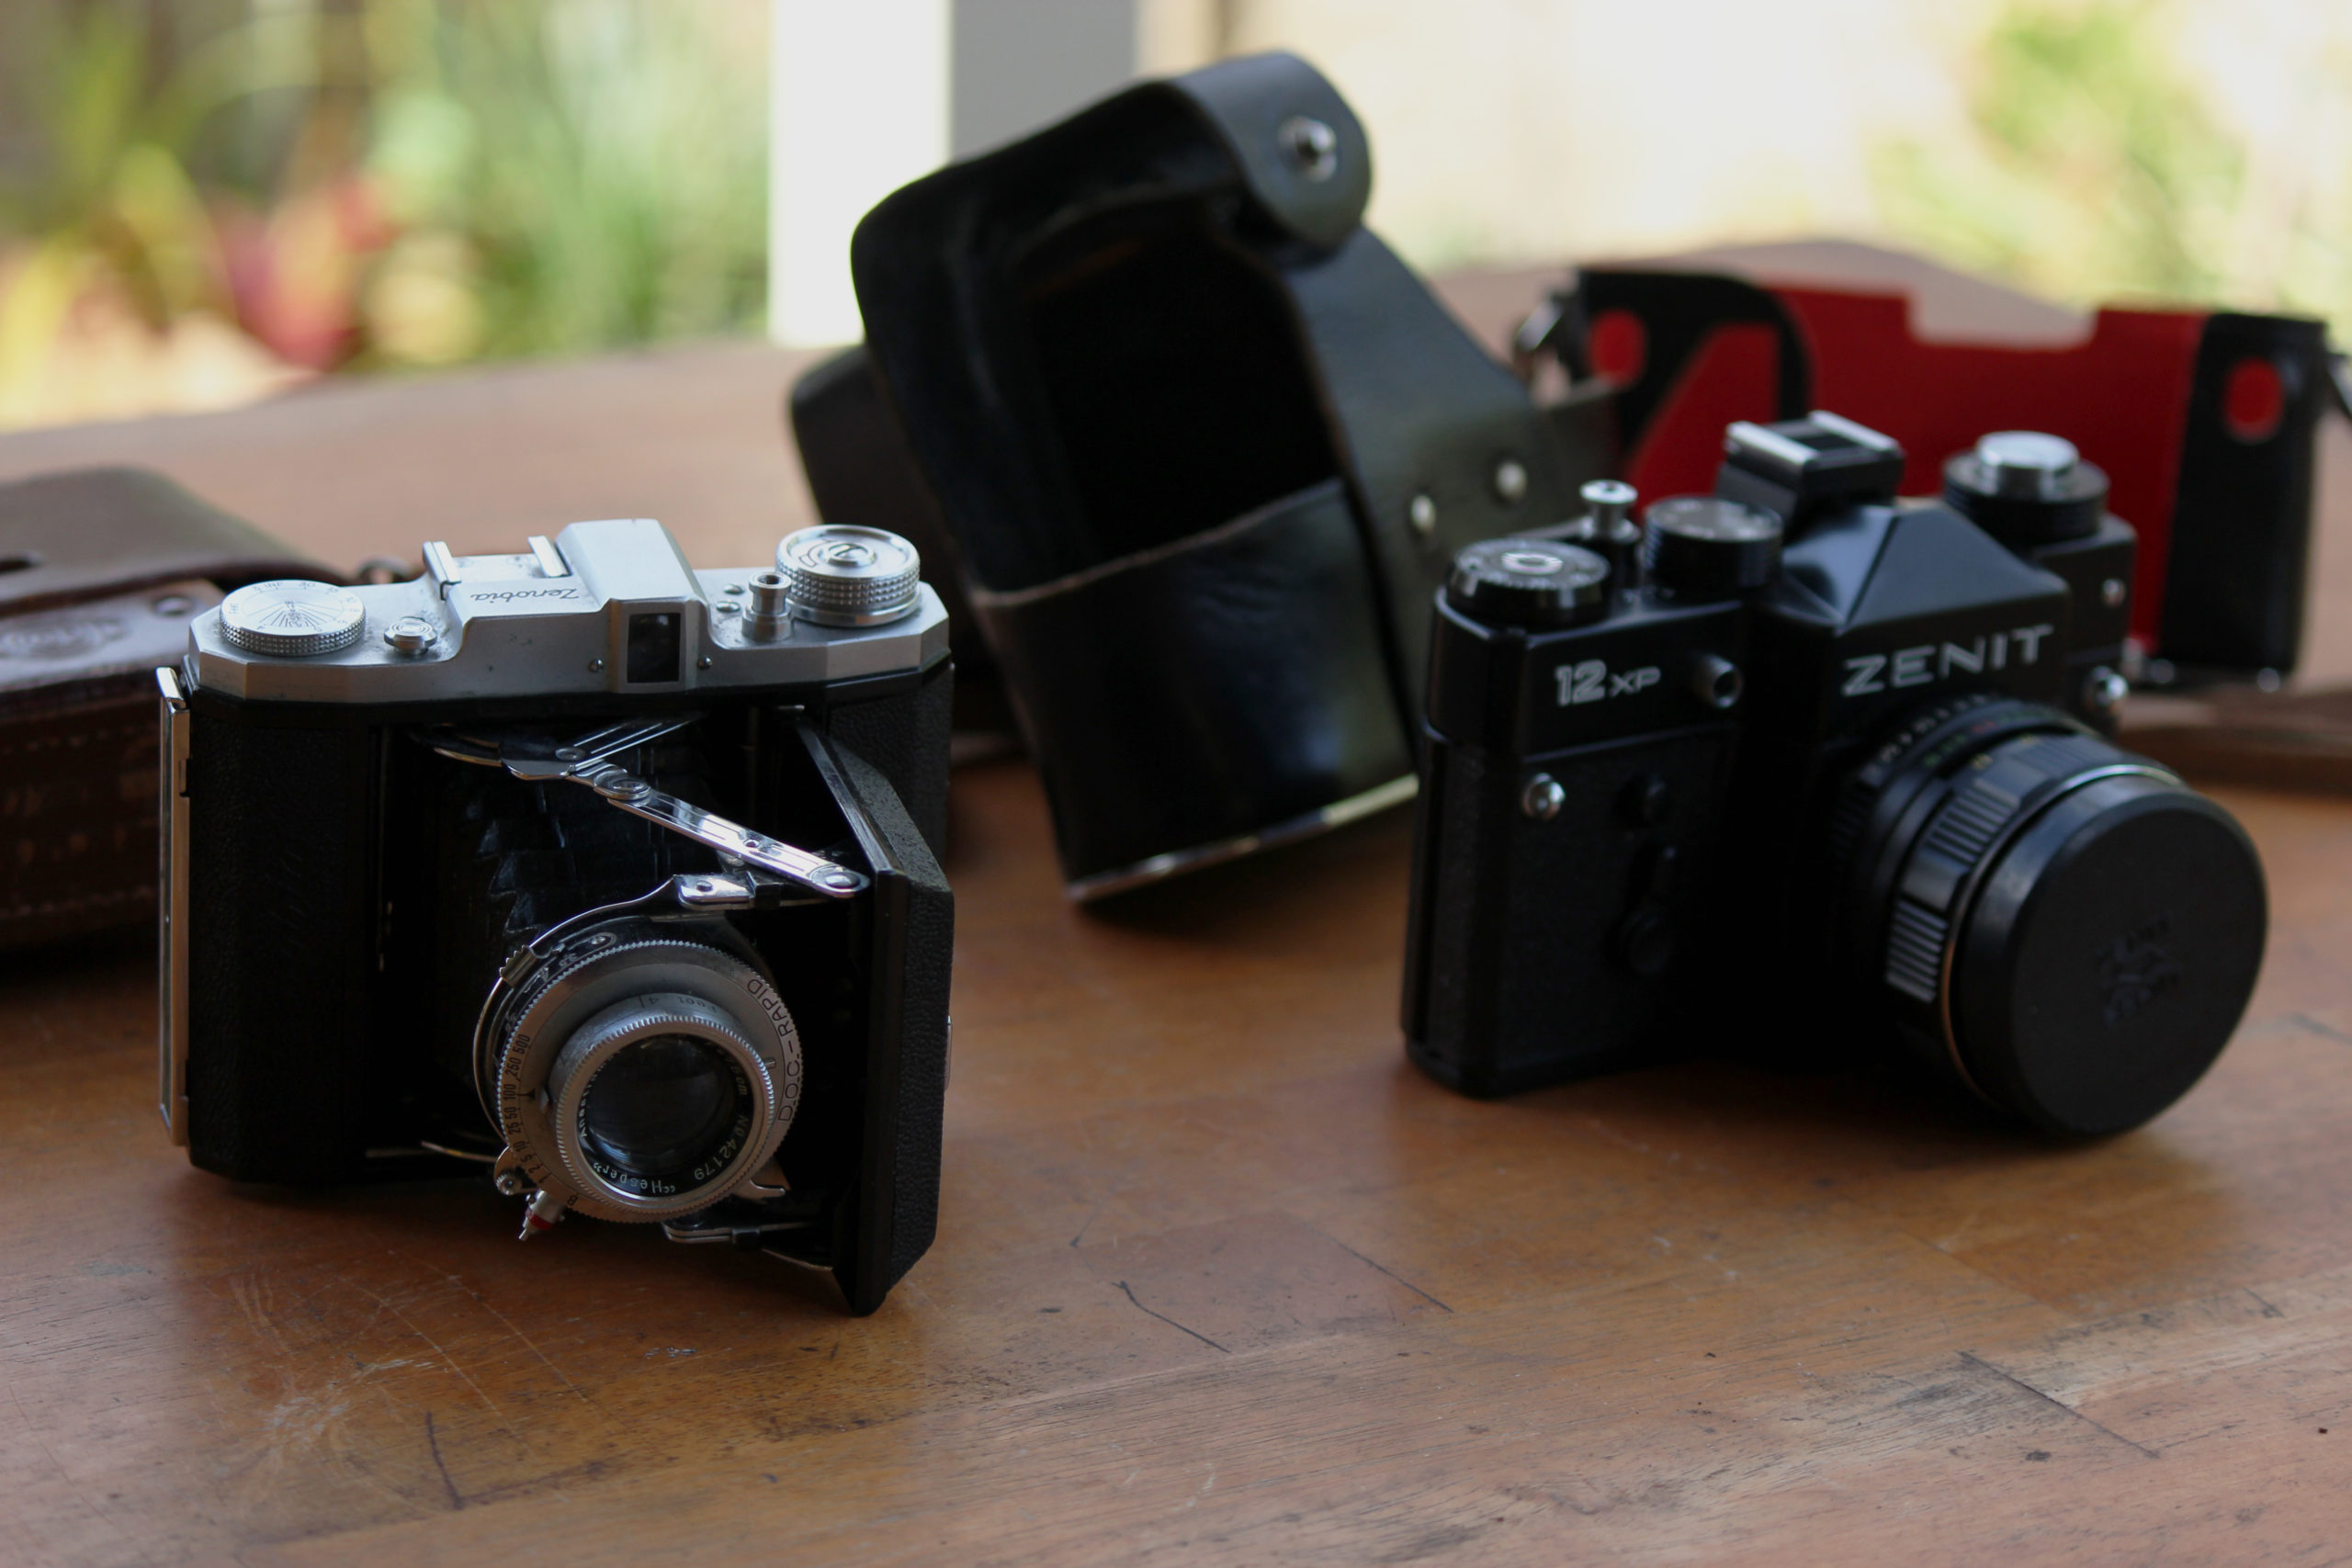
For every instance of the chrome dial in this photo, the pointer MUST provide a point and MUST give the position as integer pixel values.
(840, 576)
(292, 618)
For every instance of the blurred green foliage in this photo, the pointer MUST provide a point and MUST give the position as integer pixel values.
(365, 182)
(594, 170)
(2103, 169)
(96, 174)
(378, 182)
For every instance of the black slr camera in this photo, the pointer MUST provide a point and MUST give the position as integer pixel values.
(613, 875)
(1800, 762)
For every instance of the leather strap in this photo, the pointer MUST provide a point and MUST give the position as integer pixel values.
(85, 533)
(1187, 702)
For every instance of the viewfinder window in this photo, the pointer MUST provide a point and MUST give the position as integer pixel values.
(654, 648)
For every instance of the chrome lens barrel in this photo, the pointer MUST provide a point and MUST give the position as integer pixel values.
(657, 1097)
(644, 1072)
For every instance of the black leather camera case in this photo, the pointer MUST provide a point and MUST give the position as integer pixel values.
(1198, 447)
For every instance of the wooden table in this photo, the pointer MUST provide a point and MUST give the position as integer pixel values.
(1219, 1278)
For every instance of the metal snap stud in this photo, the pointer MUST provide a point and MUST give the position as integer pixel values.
(1312, 146)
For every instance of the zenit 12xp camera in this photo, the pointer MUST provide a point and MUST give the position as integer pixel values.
(612, 874)
(1800, 761)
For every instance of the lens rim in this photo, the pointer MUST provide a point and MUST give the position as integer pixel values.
(618, 962)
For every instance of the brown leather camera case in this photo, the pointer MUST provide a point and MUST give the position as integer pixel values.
(101, 571)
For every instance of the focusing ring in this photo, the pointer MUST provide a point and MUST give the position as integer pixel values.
(1991, 797)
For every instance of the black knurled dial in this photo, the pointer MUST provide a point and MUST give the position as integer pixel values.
(1704, 546)
(2025, 487)
(1534, 583)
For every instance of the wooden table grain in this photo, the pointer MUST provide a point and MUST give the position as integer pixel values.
(1219, 1278)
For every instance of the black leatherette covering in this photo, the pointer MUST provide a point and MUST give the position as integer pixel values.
(908, 1084)
(282, 884)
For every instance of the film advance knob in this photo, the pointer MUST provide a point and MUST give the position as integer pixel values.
(292, 618)
(837, 575)
(1534, 583)
(1705, 547)
(2026, 488)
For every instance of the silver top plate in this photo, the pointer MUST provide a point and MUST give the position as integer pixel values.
(609, 606)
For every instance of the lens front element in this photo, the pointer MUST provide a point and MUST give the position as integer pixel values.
(668, 1104)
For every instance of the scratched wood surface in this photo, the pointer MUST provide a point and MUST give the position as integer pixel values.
(1219, 1280)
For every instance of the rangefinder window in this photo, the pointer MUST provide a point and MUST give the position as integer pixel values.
(653, 649)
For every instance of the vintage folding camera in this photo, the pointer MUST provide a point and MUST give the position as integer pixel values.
(1815, 769)
(613, 874)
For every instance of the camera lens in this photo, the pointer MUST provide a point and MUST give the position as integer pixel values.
(642, 1074)
(662, 1108)
(2067, 927)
